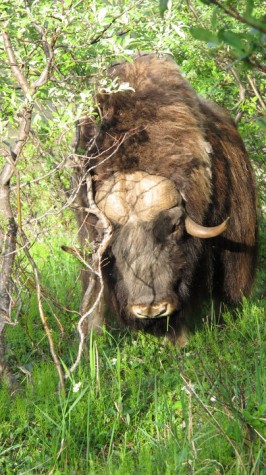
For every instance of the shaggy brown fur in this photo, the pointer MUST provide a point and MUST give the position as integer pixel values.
(163, 127)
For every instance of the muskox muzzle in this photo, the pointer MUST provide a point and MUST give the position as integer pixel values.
(162, 309)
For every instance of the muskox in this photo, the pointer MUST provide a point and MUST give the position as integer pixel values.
(170, 173)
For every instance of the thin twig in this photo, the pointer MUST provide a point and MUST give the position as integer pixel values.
(47, 175)
(42, 314)
(96, 285)
(231, 11)
(242, 93)
(213, 420)
(96, 279)
(100, 35)
(252, 82)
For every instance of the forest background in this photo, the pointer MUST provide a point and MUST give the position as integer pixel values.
(132, 404)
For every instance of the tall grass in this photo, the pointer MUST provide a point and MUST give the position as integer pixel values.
(135, 405)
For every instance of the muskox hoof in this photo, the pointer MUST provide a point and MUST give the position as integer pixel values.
(179, 337)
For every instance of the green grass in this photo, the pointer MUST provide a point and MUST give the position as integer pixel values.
(134, 405)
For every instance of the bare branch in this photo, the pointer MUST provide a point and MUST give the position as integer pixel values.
(9, 246)
(242, 89)
(213, 420)
(42, 314)
(14, 65)
(96, 285)
(60, 166)
(107, 27)
(77, 253)
(48, 49)
(8, 228)
(242, 94)
(71, 199)
(93, 297)
(23, 133)
(252, 82)
(193, 10)
(231, 11)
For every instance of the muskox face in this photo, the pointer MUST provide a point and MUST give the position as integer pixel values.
(147, 262)
(147, 255)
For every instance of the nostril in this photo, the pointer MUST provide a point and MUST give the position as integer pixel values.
(162, 310)
(140, 311)
(152, 311)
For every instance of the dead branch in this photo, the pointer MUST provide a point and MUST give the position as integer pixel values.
(212, 419)
(58, 167)
(252, 82)
(8, 227)
(48, 49)
(242, 94)
(42, 314)
(19, 76)
(113, 148)
(107, 27)
(231, 11)
(193, 10)
(95, 289)
(6, 272)
(51, 212)
(93, 297)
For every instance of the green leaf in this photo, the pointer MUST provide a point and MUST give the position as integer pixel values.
(232, 39)
(203, 34)
(249, 7)
(214, 18)
(163, 6)
(262, 123)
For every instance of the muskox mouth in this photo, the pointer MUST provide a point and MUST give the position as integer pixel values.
(151, 312)
(148, 317)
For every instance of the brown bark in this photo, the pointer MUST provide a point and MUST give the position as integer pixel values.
(8, 225)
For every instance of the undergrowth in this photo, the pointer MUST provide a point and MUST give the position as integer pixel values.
(135, 405)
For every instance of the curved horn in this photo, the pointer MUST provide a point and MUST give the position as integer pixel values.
(204, 232)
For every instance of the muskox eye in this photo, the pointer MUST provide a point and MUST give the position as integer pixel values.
(168, 224)
(176, 227)
(175, 230)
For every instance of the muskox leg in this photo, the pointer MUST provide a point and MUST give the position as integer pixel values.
(180, 336)
(235, 270)
(239, 271)
(175, 330)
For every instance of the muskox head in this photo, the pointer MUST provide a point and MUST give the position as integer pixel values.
(150, 246)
